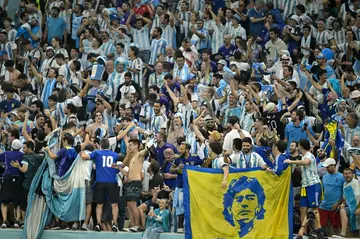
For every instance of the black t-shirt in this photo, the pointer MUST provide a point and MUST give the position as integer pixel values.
(296, 174)
(156, 181)
(274, 123)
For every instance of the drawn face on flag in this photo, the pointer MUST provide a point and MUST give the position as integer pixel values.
(244, 203)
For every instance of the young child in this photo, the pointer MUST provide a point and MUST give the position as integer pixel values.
(157, 221)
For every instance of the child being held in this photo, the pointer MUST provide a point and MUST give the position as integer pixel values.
(158, 221)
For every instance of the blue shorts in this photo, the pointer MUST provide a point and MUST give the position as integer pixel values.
(312, 198)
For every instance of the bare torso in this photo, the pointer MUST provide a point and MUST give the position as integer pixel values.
(135, 167)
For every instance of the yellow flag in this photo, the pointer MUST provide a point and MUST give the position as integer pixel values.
(255, 204)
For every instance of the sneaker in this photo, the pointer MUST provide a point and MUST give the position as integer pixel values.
(67, 228)
(17, 224)
(85, 227)
(4, 225)
(134, 229)
(114, 227)
(75, 226)
(55, 227)
(97, 228)
(180, 230)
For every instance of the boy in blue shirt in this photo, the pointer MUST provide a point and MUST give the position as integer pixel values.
(10, 103)
(65, 157)
(105, 182)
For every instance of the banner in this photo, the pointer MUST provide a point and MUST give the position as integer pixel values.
(255, 204)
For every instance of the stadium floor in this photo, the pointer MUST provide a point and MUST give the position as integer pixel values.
(48, 234)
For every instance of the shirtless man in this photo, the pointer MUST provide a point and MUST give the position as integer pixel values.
(12, 74)
(91, 129)
(132, 189)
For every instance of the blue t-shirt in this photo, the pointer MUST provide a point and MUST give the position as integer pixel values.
(171, 183)
(160, 157)
(9, 156)
(56, 27)
(8, 105)
(333, 190)
(103, 160)
(227, 52)
(65, 158)
(193, 160)
(293, 133)
(256, 27)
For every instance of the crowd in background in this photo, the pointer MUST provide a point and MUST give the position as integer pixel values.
(208, 83)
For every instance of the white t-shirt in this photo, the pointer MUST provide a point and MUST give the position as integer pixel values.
(229, 137)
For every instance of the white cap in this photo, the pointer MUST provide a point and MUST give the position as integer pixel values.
(16, 144)
(355, 94)
(328, 162)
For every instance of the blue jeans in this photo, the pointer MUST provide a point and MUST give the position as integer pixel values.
(152, 232)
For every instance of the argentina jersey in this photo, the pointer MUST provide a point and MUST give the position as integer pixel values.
(309, 173)
(108, 48)
(147, 112)
(141, 37)
(157, 47)
(218, 162)
(169, 34)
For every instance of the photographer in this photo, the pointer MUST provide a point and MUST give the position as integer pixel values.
(311, 223)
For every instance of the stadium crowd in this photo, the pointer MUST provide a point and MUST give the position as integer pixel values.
(142, 88)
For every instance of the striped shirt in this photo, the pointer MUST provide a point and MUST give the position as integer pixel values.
(230, 112)
(350, 133)
(185, 16)
(147, 111)
(228, 26)
(202, 43)
(47, 91)
(218, 162)
(323, 37)
(115, 80)
(138, 65)
(289, 7)
(182, 73)
(34, 53)
(217, 38)
(309, 173)
(9, 47)
(141, 37)
(169, 34)
(239, 31)
(12, 35)
(64, 71)
(158, 122)
(339, 36)
(155, 79)
(108, 48)
(157, 47)
(198, 5)
(155, 23)
(356, 31)
(241, 160)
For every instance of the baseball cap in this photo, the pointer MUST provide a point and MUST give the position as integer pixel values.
(222, 62)
(355, 94)
(208, 117)
(295, 18)
(328, 162)
(16, 144)
(215, 134)
(269, 107)
(50, 48)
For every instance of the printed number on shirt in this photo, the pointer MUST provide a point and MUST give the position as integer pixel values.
(273, 124)
(107, 161)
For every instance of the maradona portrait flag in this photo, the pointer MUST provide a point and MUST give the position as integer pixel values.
(255, 204)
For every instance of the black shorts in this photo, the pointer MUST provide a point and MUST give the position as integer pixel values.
(111, 190)
(132, 190)
(88, 192)
(24, 199)
(11, 190)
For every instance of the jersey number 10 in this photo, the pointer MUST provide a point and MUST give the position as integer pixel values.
(107, 161)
